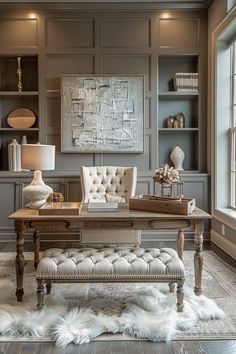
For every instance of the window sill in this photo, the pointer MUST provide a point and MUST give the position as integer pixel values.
(227, 216)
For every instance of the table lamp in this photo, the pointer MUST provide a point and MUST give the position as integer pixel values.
(37, 157)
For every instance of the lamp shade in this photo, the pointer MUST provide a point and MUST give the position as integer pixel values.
(37, 157)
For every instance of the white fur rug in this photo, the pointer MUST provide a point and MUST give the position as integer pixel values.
(146, 312)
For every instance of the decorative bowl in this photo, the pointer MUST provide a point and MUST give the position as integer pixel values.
(21, 118)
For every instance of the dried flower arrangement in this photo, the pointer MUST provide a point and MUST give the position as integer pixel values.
(166, 174)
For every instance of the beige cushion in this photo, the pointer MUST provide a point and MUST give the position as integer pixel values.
(76, 262)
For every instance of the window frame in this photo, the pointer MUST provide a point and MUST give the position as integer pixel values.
(220, 163)
(232, 130)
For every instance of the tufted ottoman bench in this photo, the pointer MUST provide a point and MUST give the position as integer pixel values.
(120, 264)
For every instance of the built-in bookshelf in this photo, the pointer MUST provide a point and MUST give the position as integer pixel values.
(11, 98)
(171, 102)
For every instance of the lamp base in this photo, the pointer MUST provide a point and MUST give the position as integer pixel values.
(37, 192)
(36, 204)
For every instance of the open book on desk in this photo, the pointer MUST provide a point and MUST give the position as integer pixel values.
(102, 206)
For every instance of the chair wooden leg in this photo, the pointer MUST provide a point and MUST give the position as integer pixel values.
(49, 287)
(180, 295)
(172, 287)
(40, 294)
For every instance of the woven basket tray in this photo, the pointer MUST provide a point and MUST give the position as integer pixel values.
(180, 206)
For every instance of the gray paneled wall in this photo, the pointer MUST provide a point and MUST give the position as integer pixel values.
(19, 32)
(186, 36)
(114, 42)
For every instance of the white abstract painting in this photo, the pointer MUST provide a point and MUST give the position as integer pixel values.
(102, 113)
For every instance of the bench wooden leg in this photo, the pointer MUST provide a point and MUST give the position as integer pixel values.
(40, 294)
(172, 287)
(180, 295)
(49, 287)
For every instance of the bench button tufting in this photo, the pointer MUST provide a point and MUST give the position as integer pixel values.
(124, 262)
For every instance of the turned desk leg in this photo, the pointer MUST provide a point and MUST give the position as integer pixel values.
(40, 294)
(180, 243)
(198, 258)
(20, 261)
(36, 241)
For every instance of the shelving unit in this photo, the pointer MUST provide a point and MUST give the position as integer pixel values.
(168, 95)
(168, 130)
(170, 103)
(11, 99)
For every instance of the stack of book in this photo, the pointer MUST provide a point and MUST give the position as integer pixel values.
(186, 82)
(102, 206)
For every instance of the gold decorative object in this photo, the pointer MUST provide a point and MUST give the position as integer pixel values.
(179, 117)
(19, 74)
(176, 124)
(170, 122)
(177, 121)
(55, 197)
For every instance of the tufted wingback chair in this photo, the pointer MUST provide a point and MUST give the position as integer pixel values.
(109, 184)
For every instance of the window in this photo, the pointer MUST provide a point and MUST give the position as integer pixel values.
(233, 126)
(223, 119)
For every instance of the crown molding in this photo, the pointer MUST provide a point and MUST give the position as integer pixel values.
(105, 4)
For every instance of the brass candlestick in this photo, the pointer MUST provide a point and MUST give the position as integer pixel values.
(19, 74)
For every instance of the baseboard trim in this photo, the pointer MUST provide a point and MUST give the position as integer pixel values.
(224, 244)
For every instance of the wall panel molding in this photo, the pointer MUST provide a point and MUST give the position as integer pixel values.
(57, 64)
(19, 32)
(176, 32)
(70, 33)
(125, 33)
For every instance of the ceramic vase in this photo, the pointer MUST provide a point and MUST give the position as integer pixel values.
(14, 156)
(24, 140)
(177, 157)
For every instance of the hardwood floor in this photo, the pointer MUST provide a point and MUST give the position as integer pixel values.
(125, 347)
(130, 347)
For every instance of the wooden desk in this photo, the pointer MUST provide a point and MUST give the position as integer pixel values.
(28, 219)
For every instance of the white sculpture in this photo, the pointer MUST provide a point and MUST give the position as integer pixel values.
(177, 157)
(14, 156)
(24, 140)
